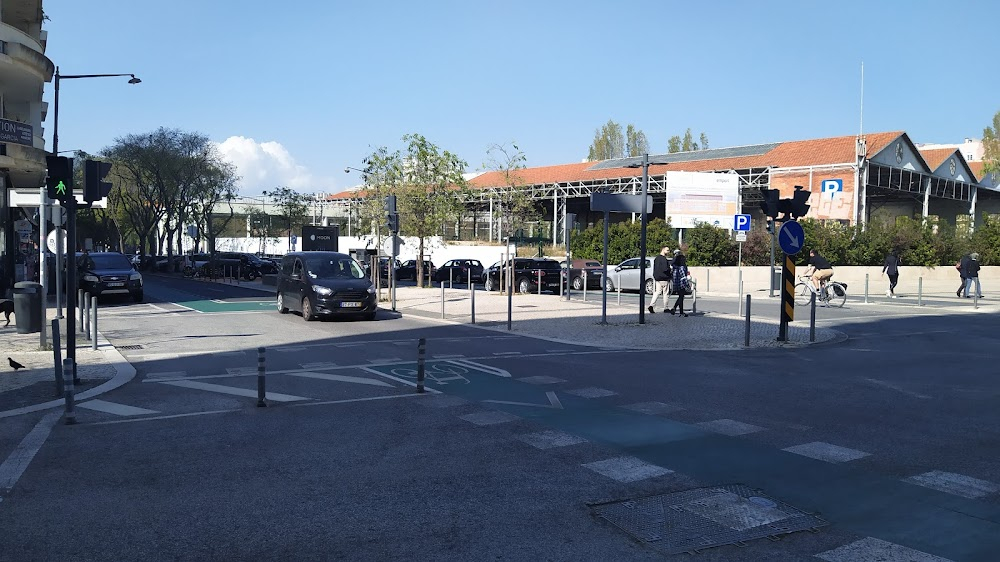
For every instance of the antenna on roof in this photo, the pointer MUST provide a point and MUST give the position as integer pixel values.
(861, 127)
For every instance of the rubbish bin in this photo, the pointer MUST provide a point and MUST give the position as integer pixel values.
(28, 307)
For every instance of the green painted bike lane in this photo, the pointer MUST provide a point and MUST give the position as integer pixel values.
(862, 502)
(216, 305)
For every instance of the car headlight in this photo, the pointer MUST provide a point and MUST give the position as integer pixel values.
(135, 277)
(90, 278)
(371, 289)
(323, 290)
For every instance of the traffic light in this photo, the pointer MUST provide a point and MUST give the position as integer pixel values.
(800, 200)
(770, 203)
(393, 222)
(59, 184)
(94, 188)
(390, 204)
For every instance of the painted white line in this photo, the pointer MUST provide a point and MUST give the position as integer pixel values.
(369, 399)
(553, 402)
(274, 396)
(384, 360)
(958, 484)
(591, 392)
(550, 439)
(166, 375)
(728, 427)
(826, 452)
(399, 380)
(480, 367)
(870, 548)
(170, 417)
(447, 356)
(116, 409)
(159, 307)
(339, 378)
(897, 388)
(507, 353)
(626, 469)
(18, 460)
(187, 307)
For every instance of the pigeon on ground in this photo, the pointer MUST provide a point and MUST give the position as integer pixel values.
(14, 364)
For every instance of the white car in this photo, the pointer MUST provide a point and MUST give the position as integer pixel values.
(625, 276)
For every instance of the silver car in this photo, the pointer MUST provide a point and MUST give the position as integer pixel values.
(625, 276)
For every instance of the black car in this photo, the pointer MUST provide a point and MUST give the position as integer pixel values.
(108, 273)
(249, 266)
(325, 284)
(458, 271)
(408, 270)
(383, 267)
(527, 273)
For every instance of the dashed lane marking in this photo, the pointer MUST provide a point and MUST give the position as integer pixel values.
(958, 484)
(826, 452)
(731, 428)
(550, 439)
(221, 389)
(870, 548)
(626, 469)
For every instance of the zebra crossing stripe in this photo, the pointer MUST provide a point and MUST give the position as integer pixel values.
(114, 408)
(273, 396)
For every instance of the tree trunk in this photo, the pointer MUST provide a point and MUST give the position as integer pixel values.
(420, 264)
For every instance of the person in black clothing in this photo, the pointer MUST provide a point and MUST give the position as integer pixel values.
(891, 268)
(682, 281)
(819, 270)
(661, 274)
(972, 276)
(962, 266)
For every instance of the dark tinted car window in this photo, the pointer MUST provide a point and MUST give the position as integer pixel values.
(333, 268)
(106, 261)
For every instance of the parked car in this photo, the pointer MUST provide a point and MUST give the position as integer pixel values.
(584, 270)
(458, 271)
(527, 272)
(383, 267)
(408, 270)
(165, 264)
(250, 266)
(108, 273)
(325, 284)
(489, 271)
(625, 276)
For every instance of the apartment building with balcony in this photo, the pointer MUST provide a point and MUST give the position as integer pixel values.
(24, 70)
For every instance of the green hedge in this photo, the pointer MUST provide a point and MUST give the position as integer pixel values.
(920, 243)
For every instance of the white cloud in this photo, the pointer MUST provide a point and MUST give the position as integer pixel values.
(264, 166)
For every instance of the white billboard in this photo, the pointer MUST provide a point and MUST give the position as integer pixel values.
(696, 197)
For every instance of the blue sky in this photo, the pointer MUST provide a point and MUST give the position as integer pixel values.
(295, 91)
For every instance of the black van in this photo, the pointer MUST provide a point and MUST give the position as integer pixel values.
(325, 284)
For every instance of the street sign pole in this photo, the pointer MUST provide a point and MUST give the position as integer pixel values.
(604, 279)
(787, 298)
(642, 240)
(70, 204)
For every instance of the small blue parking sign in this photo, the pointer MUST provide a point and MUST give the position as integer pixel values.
(832, 187)
(741, 223)
(791, 237)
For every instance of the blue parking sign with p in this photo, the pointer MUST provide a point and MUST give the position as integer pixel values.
(741, 223)
(832, 187)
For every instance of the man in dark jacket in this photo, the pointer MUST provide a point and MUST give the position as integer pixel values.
(661, 274)
(891, 268)
(971, 272)
(962, 266)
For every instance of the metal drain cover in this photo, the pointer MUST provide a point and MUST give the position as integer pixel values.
(702, 518)
(135, 346)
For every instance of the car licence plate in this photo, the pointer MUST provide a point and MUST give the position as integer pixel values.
(115, 284)
(350, 304)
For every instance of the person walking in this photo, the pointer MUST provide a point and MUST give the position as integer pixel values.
(961, 266)
(661, 274)
(972, 276)
(682, 281)
(891, 268)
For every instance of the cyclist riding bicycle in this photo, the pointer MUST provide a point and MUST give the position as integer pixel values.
(819, 271)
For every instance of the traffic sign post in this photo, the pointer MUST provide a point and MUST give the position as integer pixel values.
(787, 298)
(741, 223)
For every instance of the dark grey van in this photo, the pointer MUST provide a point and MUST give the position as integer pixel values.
(325, 284)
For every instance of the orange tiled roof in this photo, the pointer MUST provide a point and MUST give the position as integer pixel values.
(978, 168)
(936, 156)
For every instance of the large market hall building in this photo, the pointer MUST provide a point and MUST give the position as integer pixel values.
(850, 178)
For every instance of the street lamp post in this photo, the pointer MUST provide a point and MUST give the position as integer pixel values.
(71, 222)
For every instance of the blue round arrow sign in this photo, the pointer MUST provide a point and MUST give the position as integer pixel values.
(791, 237)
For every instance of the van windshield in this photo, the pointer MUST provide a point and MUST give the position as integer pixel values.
(333, 268)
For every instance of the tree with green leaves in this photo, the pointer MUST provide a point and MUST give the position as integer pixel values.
(293, 208)
(513, 205)
(636, 143)
(686, 143)
(991, 145)
(429, 193)
(609, 142)
(383, 174)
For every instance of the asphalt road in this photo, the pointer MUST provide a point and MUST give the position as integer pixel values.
(516, 446)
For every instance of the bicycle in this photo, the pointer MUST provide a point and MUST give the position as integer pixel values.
(834, 294)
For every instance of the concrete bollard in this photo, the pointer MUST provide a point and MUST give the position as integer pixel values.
(68, 391)
(539, 272)
(920, 291)
(57, 356)
(812, 318)
(708, 281)
(261, 383)
(421, 345)
(93, 330)
(746, 333)
(584, 273)
(619, 295)
(866, 288)
(80, 299)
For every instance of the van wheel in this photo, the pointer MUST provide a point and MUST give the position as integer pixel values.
(282, 309)
(523, 285)
(307, 310)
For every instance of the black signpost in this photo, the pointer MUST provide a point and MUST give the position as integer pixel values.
(622, 203)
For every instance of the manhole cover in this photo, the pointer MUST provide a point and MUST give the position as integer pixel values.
(136, 346)
(693, 520)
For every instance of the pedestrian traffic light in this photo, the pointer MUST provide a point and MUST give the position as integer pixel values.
(393, 222)
(59, 184)
(390, 204)
(800, 200)
(770, 203)
(94, 188)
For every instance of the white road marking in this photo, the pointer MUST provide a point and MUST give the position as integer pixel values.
(728, 427)
(491, 417)
(317, 365)
(274, 396)
(553, 402)
(16, 463)
(480, 367)
(447, 356)
(339, 378)
(116, 409)
(541, 379)
(550, 439)
(826, 452)
(507, 353)
(653, 408)
(169, 375)
(159, 307)
(592, 392)
(170, 417)
(384, 360)
(626, 469)
(870, 548)
(958, 484)
(897, 388)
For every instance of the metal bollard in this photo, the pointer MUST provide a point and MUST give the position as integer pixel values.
(86, 315)
(539, 281)
(70, 414)
(975, 301)
(619, 295)
(584, 274)
(746, 334)
(920, 291)
(472, 289)
(79, 312)
(708, 281)
(57, 355)
(442, 299)
(421, 345)
(866, 288)
(451, 278)
(93, 329)
(739, 290)
(812, 318)
(261, 383)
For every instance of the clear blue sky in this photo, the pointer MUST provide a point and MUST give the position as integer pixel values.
(302, 89)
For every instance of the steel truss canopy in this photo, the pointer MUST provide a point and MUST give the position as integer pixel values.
(697, 155)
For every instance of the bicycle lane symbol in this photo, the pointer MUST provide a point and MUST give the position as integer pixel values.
(440, 373)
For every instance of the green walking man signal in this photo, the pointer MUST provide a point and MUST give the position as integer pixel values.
(59, 184)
